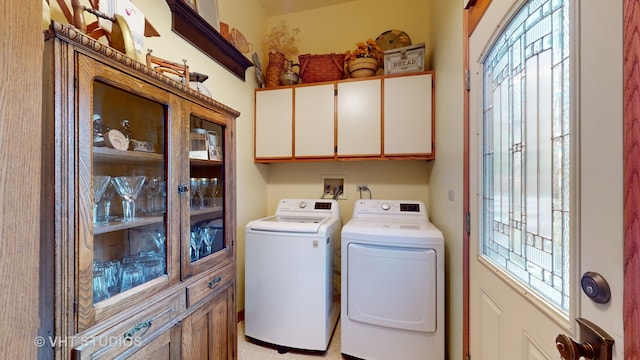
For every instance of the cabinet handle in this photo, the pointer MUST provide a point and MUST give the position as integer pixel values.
(137, 327)
(212, 283)
(182, 188)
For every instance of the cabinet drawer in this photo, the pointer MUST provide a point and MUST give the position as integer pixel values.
(133, 332)
(209, 284)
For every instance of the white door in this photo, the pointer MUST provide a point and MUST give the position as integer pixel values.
(509, 320)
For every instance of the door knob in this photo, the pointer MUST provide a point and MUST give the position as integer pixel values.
(571, 350)
(596, 343)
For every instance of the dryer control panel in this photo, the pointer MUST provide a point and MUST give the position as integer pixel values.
(402, 208)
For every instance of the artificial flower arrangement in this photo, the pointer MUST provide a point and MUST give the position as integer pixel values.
(282, 39)
(368, 48)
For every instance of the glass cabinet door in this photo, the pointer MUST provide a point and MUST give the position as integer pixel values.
(126, 250)
(206, 242)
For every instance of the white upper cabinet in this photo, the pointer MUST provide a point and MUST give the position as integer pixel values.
(314, 121)
(408, 115)
(383, 117)
(274, 124)
(359, 114)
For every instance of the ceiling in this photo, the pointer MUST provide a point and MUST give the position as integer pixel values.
(281, 7)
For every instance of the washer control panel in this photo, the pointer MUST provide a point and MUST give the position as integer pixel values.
(308, 207)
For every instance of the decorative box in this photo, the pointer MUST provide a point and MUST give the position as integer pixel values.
(405, 59)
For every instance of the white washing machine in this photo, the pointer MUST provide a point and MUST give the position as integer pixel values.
(292, 269)
(392, 283)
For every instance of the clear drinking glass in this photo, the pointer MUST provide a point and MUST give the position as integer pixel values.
(203, 186)
(214, 188)
(108, 195)
(163, 192)
(128, 187)
(207, 235)
(130, 276)
(195, 240)
(152, 188)
(99, 186)
(100, 287)
(159, 239)
(195, 184)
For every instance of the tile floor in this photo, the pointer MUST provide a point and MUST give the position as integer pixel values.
(248, 350)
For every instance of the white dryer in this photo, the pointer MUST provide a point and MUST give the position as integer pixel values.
(392, 283)
(292, 286)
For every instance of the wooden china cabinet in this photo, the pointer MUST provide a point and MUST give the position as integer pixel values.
(142, 199)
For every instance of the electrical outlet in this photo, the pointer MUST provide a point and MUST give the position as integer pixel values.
(361, 187)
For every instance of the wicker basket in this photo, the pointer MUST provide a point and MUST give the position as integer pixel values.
(316, 68)
(274, 68)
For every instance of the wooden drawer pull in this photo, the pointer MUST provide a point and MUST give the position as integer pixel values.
(137, 327)
(213, 282)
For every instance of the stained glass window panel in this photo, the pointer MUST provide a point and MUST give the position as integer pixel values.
(526, 144)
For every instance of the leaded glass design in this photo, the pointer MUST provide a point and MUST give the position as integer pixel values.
(526, 147)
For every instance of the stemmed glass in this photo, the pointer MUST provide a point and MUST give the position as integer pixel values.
(207, 235)
(99, 186)
(214, 188)
(108, 195)
(195, 241)
(203, 186)
(159, 239)
(152, 188)
(195, 185)
(128, 187)
(163, 191)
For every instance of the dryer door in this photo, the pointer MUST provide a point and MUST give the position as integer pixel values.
(392, 286)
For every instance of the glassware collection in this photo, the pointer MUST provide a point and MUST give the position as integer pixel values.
(129, 189)
(115, 276)
(130, 209)
(201, 188)
(206, 238)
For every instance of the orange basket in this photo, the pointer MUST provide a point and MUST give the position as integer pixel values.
(317, 68)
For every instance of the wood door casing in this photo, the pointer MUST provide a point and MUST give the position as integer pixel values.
(631, 178)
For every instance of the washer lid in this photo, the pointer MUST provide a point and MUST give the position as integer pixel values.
(298, 224)
(393, 231)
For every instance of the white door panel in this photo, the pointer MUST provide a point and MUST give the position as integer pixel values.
(506, 320)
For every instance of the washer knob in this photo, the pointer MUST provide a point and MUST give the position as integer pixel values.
(385, 206)
(302, 204)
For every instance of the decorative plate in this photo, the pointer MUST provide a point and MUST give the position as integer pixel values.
(392, 39)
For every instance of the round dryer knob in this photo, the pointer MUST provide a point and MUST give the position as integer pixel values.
(385, 206)
(302, 204)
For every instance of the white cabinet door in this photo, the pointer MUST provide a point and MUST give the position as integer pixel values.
(315, 121)
(408, 115)
(274, 123)
(359, 117)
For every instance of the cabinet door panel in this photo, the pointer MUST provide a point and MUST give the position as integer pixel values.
(209, 333)
(274, 123)
(314, 121)
(359, 117)
(408, 115)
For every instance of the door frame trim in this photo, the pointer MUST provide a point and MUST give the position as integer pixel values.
(631, 95)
